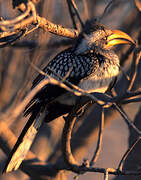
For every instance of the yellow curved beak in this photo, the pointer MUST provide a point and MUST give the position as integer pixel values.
(119, 37)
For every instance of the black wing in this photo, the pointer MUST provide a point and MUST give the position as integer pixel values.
(65, 64)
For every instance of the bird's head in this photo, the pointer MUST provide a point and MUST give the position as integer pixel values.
(96, 36)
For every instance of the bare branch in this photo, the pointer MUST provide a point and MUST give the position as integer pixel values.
(72, 14)
(11, 38)
(134, 66)
(71, 4)
(66, 138)
(56, 29)
(138, 4)
(30, 17)
(19, 18)
(106, 175)
(106, 9)
(126, 118)
(99, 142)
(120, 166)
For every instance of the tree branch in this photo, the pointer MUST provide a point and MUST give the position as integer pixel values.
(99, 142)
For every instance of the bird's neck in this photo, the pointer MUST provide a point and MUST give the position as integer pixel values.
(108, 54)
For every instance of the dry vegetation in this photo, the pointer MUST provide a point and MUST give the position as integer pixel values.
(30, 35)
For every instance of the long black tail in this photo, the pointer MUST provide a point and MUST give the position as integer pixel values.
(24, 142)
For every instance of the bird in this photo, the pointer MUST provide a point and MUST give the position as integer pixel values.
(90, 63)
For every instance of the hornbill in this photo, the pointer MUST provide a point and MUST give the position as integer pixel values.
(90, 64)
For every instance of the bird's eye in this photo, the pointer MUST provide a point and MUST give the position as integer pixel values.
(105, 38)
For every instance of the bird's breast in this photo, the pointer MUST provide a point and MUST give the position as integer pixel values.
(93, 85)
(101, 79)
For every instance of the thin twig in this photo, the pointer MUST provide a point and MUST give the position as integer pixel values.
(120, 166)
(106, 175)
(72, 14)
(12, 38)
(134, 66)
(126, 96)
(106, 9)
(138, 4)
(125, 56)
(77, 13)
(72, 3)
(99, 142)
(133, 100)
(66, 138)
(84, 169)
(126, 118)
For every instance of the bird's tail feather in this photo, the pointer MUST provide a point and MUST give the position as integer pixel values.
(24, 142)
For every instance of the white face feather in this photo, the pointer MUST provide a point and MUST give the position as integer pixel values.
(89, 42)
